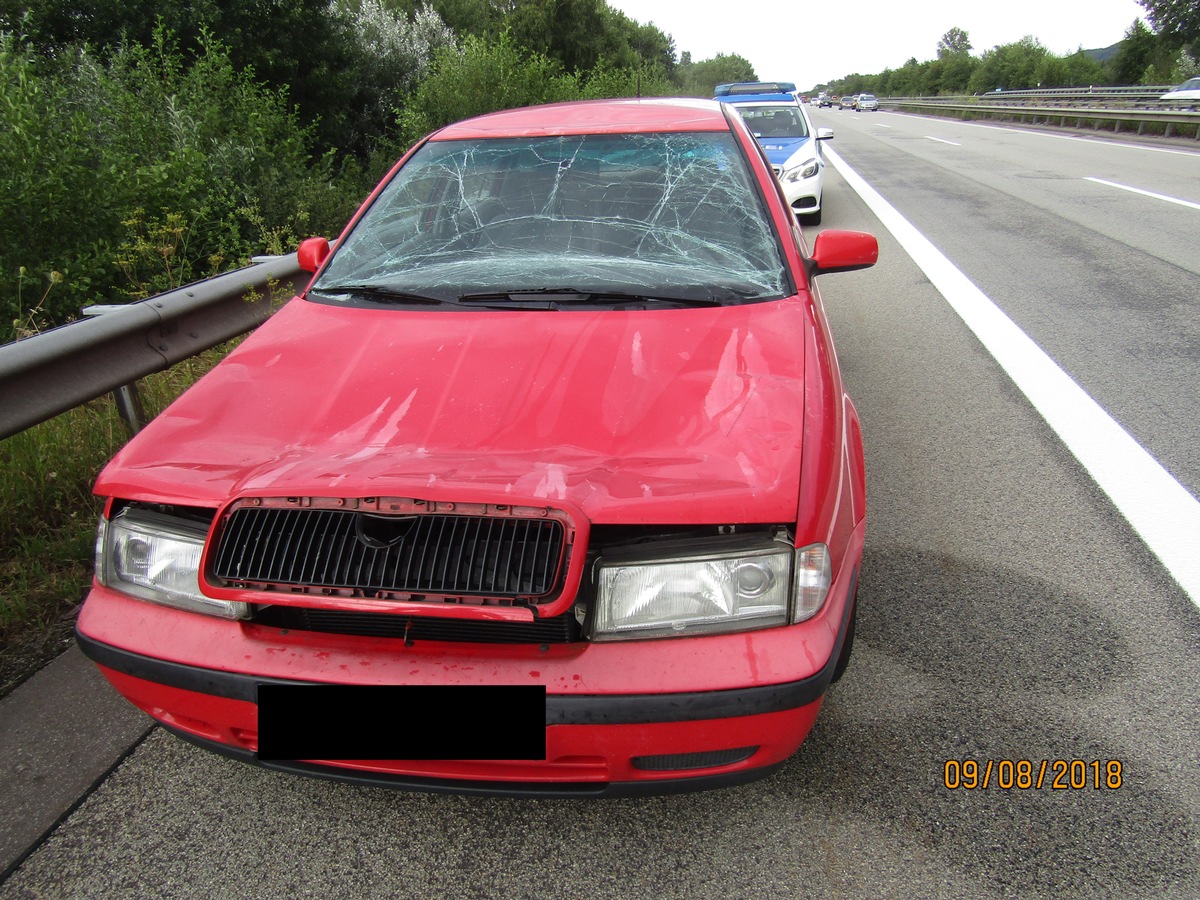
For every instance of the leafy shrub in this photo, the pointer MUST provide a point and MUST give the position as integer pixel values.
(485, 75)
(480, 77)
(94, 156)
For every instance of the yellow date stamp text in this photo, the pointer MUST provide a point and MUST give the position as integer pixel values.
(1033, 774)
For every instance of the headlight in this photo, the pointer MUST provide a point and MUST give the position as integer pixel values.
(156, 557)
(707, 587)
(806, 169)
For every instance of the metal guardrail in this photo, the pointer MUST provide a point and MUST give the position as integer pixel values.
(49, 373)
(1019, 105)
(1109, 97)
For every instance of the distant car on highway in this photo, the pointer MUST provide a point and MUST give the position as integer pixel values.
(823, 99)
(866, 103)
(1188, 91)
(848, 100)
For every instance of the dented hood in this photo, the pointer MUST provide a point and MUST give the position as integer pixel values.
(664, 416)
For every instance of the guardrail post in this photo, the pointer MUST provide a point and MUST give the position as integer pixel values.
(129, 406)
(127, 397)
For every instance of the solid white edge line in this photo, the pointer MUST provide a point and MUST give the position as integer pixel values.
(1158, 507)
(1134, 190)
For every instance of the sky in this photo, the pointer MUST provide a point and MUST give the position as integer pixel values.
(814, 43)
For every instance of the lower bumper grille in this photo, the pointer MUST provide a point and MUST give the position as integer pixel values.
(675, 762)
(555, 630)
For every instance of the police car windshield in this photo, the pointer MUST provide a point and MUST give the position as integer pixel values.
(775, 121)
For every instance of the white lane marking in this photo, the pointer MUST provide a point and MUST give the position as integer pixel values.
(1149, 148)
(1158, 507)
(1134, 190)
(940, 141)
(881, 125)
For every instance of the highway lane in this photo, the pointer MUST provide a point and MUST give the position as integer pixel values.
(1105, 280)
(1007, 613)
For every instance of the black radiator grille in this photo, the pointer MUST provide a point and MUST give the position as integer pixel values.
(376, 555)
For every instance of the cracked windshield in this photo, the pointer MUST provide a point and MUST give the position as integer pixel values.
(595, 219)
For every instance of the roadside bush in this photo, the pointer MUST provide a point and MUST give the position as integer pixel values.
(150, 166)
(54, 195)
(604, 82)
(480, 77)
(485, 75)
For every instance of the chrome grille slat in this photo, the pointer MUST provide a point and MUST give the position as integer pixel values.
(434, 553)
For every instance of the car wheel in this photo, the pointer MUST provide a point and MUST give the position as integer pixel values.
(813, 218)
(847, 645)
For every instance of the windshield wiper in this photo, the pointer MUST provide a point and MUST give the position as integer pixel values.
(562, 298)
(379, 294)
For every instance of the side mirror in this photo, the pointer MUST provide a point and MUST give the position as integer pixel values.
(824, 134)
(843, 251)
(311, 253)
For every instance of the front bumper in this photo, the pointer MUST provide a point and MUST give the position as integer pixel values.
(804, 196)
(622, 718)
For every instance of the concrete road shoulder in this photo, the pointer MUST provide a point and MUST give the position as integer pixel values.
(61, 733)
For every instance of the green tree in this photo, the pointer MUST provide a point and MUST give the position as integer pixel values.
(1184, 67)
(481, 76)
(698, 79)
(304, 46)
(951, 71)
(1082, 70)
(389, 50)
(955, 74)
(651, 46)
(910, 80)
(1009, 66)
(573, 32)
(1135, 55)
(477, 17)
(953, 42)
(1176, 19)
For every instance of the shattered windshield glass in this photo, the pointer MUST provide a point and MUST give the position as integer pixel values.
(658, 216)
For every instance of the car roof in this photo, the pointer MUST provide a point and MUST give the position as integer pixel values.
(653, 114)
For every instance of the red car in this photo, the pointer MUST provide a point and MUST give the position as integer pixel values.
(547, 485)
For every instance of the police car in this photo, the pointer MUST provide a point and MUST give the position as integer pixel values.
(787, 135)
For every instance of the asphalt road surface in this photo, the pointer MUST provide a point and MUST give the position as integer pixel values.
(1015, 624)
